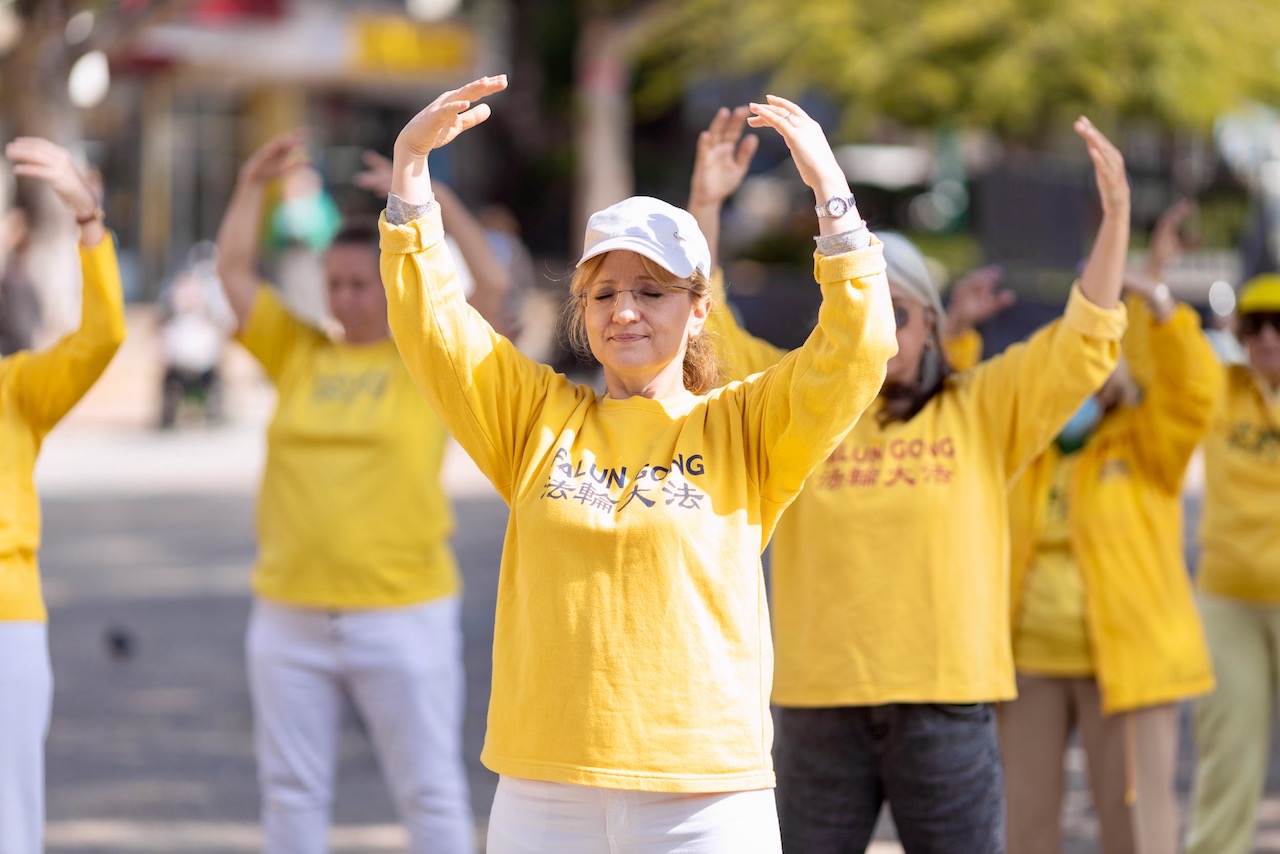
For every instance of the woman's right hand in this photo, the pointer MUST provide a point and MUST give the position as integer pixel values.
(278, 157)
(440, 122)
(434, 127)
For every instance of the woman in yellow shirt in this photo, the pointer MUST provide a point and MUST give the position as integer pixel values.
(1239, 583)
(1106, 636)
(890, 572)
(632, 656)
(355, 588)
(36, 391)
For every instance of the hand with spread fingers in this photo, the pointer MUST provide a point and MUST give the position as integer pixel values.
(719, 166)
(975, 300)
(723, 157)
(34, 157)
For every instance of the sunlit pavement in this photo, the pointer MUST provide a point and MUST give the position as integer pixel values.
(148, 544)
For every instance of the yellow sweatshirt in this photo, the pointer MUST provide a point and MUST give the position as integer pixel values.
(963, 351)
(890, 572)
(1126, 524)
(1240, 526)
(351, 513)
(36, 391)
(1050, 625)
(631, 642)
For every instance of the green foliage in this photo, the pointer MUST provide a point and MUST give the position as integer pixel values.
(1222, 218)
(958, 253)
(1016, 66)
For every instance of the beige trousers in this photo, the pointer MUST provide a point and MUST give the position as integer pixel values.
(1133, 753)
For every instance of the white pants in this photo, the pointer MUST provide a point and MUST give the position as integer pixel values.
(26, 701)
(403, 670)
(535, 817)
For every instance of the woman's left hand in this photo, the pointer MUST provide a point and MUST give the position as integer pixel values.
(33, 157)
(809, 147)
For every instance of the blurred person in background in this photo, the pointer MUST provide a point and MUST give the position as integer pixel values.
(890, 572)
(1239, 584)
(1106, 635)
(355, 589)
(503, 230)
(632, 657)
(301, 225)
(19, 302)
(193, 333)
(495, 266)
(36, 391)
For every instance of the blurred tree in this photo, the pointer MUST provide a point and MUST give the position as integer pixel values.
(612, 34)
(1019, 67)
(40, 41)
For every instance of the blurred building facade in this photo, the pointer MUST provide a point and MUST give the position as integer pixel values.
(191, 98)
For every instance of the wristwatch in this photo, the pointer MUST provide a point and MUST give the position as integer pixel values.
(836, 206)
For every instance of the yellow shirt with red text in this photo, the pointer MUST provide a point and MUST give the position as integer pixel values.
(891, 570)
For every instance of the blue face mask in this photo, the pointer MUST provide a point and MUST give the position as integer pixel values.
(1081, 426)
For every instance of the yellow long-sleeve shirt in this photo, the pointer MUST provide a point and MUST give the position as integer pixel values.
(351, 513)
(1240, 526)
(1050, 625)
(1125, 526)
(631, 643)
(891, 570)
(36, 391)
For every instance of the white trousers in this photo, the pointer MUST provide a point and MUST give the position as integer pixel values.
(26, 701)
(402, 668)
(535, 817)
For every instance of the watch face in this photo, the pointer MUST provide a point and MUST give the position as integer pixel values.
(837, 207)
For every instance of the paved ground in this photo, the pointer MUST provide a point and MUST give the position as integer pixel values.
(151, 535)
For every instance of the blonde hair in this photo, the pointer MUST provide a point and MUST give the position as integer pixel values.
(701, 364)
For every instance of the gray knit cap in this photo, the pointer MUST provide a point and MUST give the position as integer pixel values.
(908, 270)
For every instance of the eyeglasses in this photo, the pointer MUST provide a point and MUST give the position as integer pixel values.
(1252, 323)
(648, 296)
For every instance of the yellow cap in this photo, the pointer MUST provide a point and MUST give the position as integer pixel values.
(1261, 293)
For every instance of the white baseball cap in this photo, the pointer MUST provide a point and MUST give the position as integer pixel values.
(663, 233)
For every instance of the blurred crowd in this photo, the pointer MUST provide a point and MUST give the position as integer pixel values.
(976, 556)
